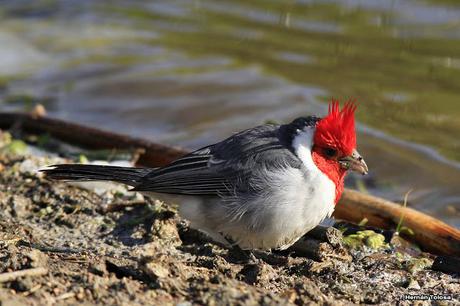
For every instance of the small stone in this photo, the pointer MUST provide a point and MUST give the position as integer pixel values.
(289, 295)
(166, 230)
(20, 205)
(413, 284)
(80, 296)
(255, 273)
(155, 270)
(98, 268)
(37, 258)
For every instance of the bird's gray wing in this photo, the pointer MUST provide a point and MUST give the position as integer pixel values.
(221, 168)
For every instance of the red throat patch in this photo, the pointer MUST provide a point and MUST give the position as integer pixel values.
(337, 129)
(333, 171)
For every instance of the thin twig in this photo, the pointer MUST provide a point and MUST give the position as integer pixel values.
(50, 249)
(65, 296)
(32, 290)
(10, 276)
(10, 241)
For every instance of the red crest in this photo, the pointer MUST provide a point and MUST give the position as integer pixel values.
(337, 129)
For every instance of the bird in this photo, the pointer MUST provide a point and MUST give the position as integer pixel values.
(260, 189)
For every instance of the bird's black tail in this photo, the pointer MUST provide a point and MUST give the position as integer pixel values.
(78, 172)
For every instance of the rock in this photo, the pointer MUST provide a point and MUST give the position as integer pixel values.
(154, 270)
(37, 258)
(413, 284)
(20, 206)
(98, 268)
(166, 230)
(259, 273)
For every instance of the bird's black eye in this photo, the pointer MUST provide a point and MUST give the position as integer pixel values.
(330, 152)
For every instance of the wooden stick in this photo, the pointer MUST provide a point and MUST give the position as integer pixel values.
(431, 234)
(10, 276)
(154, 155)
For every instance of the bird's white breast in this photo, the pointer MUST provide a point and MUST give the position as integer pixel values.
(310, 195)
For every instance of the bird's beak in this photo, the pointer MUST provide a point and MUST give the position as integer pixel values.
(354, 162)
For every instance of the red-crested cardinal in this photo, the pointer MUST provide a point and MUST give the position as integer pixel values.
(262, 188)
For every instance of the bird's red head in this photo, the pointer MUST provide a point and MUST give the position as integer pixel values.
(337, 129)
(334, 144)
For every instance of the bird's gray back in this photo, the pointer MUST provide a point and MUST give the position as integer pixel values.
(226, 166)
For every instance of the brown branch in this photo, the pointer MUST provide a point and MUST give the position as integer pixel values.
(155, 154)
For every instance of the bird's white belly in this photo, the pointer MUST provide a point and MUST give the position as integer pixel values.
(292, 205)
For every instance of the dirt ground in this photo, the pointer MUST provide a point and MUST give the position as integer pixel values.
(116, 248)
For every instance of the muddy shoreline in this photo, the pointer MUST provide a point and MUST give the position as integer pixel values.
(109, 246)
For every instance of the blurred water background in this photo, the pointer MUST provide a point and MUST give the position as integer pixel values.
(190, 73)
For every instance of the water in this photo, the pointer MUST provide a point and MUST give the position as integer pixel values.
(193, 72)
